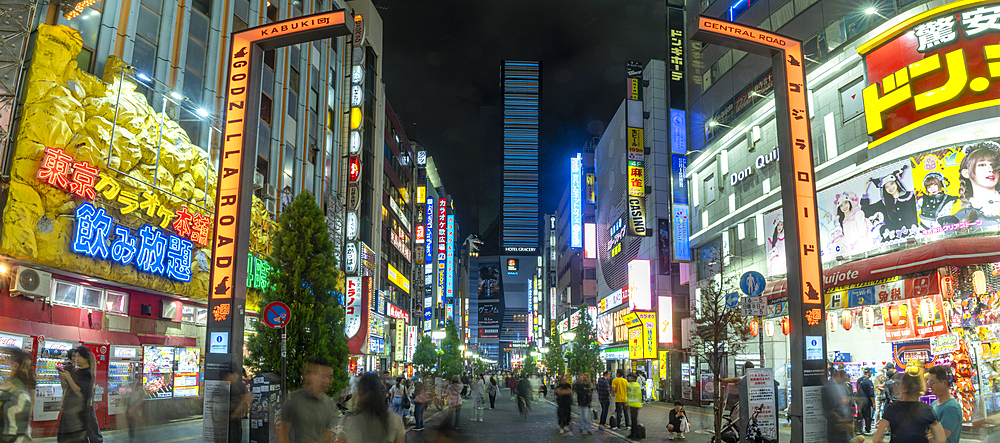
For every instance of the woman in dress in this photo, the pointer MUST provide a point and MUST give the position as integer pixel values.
(776, 249)
(855, 229)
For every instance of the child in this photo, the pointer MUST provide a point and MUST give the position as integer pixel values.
(978, 189)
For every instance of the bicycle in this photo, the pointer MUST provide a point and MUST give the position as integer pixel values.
(753, 434)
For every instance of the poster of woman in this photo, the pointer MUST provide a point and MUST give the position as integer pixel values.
(936, 181)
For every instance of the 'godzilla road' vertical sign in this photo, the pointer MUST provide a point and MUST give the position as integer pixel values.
(798, 197)
(227, 297)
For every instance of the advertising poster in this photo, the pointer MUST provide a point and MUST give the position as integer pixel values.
(649, 341)
(929, 316)
(707, 387)
(188, 367)
(760, 393)
(490, 293)
(774, 242)
(898, 320)
(663, 242)
(918, 350)
(158, 371)
(635, 343)
(874, 209)
(605, 329)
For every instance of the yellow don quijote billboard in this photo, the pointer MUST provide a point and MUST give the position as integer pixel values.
(102, 184)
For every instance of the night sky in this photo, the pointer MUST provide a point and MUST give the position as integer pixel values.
(441, 63)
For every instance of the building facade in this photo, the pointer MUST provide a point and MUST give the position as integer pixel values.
(895, 180)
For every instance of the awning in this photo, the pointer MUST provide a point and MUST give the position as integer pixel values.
(948, 252)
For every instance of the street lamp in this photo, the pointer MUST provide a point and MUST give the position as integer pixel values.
(438, 335)
(544, 350)
(461, 347)
(569, 336)
(871, 10)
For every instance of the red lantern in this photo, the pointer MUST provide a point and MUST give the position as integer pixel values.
(753, 328)
(786, 326)
(846, 319)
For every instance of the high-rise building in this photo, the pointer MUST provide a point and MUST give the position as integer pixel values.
(522, 90)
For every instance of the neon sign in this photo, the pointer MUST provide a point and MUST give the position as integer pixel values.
(55, 170)
(450, 277)
(576, 200)
(152, 252)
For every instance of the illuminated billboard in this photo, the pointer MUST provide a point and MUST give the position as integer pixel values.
(450, 260)
(933, 65)
(589, 240)
(665, 320)
(576, 201)
(640, 295)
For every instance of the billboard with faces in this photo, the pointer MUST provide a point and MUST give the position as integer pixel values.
(944, 192)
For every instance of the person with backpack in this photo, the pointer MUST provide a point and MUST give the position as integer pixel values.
(454, 393)
(564, 402)
(634, 405)
(583, 399)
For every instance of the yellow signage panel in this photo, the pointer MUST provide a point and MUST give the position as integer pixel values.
(635, 343)
(648, 320)
(636, 144)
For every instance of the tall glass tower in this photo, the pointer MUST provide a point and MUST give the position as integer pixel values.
(521, 81)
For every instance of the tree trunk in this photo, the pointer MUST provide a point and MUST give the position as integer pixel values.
(717, 408)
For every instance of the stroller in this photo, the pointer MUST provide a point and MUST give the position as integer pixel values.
(730, 432)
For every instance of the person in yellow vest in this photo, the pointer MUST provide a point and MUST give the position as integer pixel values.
(634, 404)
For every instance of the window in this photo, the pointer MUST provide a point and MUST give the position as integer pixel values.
(89, 25)
(188, 313)
(116, 302)
(709, 189)
(91, 297)
(65, 293)
(201, 316)
(590, 274)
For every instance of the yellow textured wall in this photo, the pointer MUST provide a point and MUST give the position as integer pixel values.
(67, 108)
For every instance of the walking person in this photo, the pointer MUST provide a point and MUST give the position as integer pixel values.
(620, 387)
(478, 397)
(564, 402)
(641, 379)
(584, 396)
(947, 410)
(604, 397)
(420, 399)
(371, 421)
(78, 395)
(675, 423)
(634, 405)
(493, 389)
(397, 393)
(836, 408)
(879, 382)
(454, 393)
(512, 385)
(16, 394)
(866, 402)
(308, 414)
(908, 419)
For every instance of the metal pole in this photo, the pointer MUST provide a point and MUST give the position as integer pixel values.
(760, 336)
(284, 366)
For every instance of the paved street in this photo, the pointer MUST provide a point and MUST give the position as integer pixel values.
(501, 425)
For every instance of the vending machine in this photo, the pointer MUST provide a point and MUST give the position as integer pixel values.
(188, 370)
(52, 354)
(100, 371)
(7, 340)
(124, 375)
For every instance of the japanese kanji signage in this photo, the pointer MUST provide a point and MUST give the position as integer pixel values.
(676, 57)
(636, 158)
(96, 235)
(932, 65)
(798, 194)
(237, 158)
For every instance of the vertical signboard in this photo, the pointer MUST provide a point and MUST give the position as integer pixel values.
(640, 295)
(798, 196)
(680, 250)
(442, 242)
(450, 260)
(230, 245)
(636, 159)
(576, 201)
(665, 320)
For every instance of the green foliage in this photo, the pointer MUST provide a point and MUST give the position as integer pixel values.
(555, 361)
(451, 356)
(585, 355)
(426, 354)
(303, 276)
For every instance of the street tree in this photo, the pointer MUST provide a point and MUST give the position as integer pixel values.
(721, 331)
(304, 276)
(585, 355)
(425, 356)
(555, 360)
(451, 355)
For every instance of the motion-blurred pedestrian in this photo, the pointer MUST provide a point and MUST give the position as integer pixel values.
(308, 414)
(371, 422)
(16, 394)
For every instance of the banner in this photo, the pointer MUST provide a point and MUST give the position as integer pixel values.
(898, 320)
(635, 343)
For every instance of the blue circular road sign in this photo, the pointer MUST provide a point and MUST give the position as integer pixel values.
(276, 315)
(752, 283)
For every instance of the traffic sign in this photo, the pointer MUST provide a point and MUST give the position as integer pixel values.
(276, 315)
(752, 283)
(732, 300)
(754, 306)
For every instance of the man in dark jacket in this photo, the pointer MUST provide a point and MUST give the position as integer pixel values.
(866, 402)
(604, 396)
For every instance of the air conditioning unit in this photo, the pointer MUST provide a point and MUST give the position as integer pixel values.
(31, 283)
(258, 180)
(270, 206)
(270, 192)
